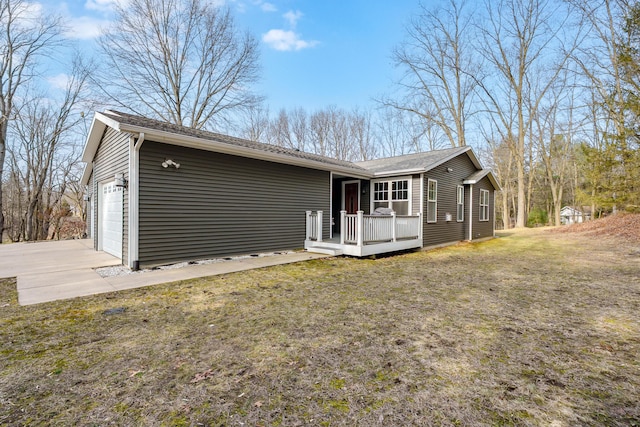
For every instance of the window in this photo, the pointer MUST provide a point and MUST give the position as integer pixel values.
(432, 201)
(392, 194)
(400, 197)
(460, 204)
(380, 195)
(484, 205)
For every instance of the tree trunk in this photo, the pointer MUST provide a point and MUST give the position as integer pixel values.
(30, 229)
(521, 217)
(3, 139)
(506, 214)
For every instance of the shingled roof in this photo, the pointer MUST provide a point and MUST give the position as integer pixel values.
(146, 123)
(415, 163)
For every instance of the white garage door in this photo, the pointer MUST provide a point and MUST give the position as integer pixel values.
(110, 219)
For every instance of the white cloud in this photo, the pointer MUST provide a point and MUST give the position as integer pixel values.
(101, 5)
(29, 10)
(25, 13)
(85, 27)
(286, 40)
(268, 7)
(60, 81)
(293, 17)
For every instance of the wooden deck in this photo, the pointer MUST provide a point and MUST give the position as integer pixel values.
(364, 235)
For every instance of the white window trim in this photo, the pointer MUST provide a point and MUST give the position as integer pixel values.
(460, 203)
(429, 181)
(390, 190)
(484, 208)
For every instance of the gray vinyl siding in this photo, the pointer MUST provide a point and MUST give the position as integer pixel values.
(218, 204)
(111, 157)
(365, 197)
(415, 194)
(444, 231)
(482, 229)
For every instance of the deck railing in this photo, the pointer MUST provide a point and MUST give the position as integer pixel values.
(314, 226)
(360, 229)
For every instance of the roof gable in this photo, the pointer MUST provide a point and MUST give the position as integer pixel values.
(417, 162)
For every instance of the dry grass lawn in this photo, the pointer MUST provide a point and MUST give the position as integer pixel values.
(534, 328)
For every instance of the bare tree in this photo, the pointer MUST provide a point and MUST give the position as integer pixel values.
(610, 62)
(441, 72)
(181, 61)
(280, 131)
(361, 130)
(256, 124)
(554, 128)
(500, 159)
(24, 36)
(319, 130)
(298, 119)
(45, 153)
(522, 41)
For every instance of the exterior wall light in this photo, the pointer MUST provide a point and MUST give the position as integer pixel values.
(449, 170)
(170, 162)
(120, 180)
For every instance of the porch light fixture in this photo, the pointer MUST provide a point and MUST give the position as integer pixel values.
(120, 180)
(449, 170)
(86, 198)
(170, 162)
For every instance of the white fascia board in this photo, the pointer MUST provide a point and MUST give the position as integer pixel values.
(93, 140)
(488, 174)
(88, 168)
(221, 147)
(98, 125)
(399, 172)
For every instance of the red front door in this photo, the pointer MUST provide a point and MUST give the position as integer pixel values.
(351, 198)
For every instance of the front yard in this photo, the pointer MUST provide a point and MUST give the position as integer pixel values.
(534, 328)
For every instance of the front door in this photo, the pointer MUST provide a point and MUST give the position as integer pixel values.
(351, 197)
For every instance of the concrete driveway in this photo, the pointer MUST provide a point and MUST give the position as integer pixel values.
(54, 270)
(48, 271)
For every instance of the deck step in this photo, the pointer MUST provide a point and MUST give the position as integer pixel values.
(325, 250)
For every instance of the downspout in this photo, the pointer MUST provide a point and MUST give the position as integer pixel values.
(494, 213)
(331, 218)
(134, 178)
(470, 212)
(422, 214)
(94, 199)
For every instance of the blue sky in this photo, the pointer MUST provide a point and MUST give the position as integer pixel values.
(314, 53)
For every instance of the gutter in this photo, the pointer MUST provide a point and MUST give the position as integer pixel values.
(400, 172)
(134, 218)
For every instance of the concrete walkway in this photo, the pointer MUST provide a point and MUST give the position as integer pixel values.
(49, 271)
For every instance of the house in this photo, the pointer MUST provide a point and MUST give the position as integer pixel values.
(160, 193)
(572, 215)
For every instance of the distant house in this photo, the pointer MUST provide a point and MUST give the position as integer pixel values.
(160, 193)
(572, 215)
